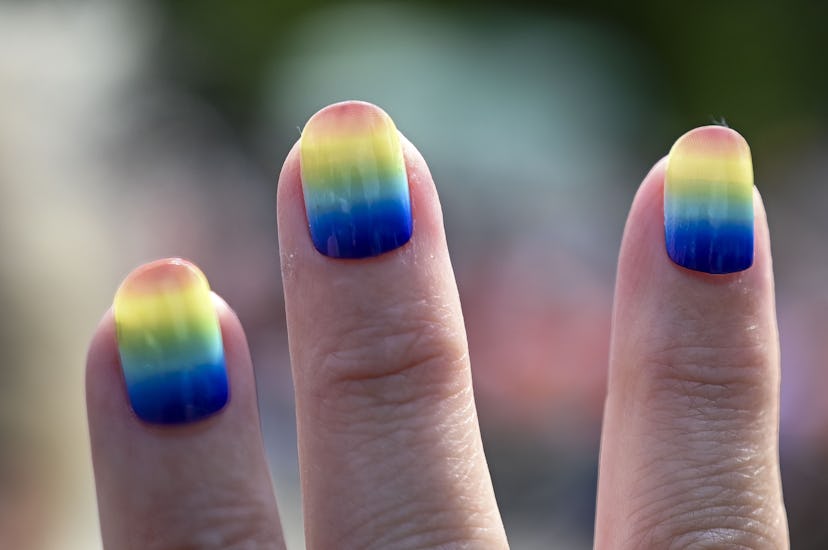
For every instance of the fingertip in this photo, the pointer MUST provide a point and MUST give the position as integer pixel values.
(232, 332)
(105, 384)
(102, 346)
(643, 241)
(237, 353)
(425, 201)
(296, 217)
(762, 231)
(414, 161)
(105, 392)
(289, 185)
(644, 255)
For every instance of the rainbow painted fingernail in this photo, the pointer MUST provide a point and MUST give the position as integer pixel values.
(354, 181)
(169, 339)
(708, 201)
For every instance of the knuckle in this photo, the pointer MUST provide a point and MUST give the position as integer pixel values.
(697, 523)
(717, 363)
(711, 500)
(413, 526)
(699, 484)
(396, 355)
(229, 521)
(706, 378)
(712, 375)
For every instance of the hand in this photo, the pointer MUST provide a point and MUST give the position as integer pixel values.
(389, 446)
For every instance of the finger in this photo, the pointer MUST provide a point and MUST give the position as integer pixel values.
(177, 464)
(689, 453)
(389, 444)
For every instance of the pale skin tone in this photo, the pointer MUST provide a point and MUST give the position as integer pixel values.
(389, 446)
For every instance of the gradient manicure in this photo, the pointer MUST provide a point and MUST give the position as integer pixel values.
(708, 201)
(170, 343)
(354, 181)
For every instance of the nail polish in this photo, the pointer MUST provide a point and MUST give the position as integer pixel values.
(170, 344)
(708, 201)
(354, 181)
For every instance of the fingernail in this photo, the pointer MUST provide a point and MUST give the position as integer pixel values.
(354, 181)
(708, 201)
(169, 339)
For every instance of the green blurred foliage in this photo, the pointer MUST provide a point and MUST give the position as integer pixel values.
(755, 62)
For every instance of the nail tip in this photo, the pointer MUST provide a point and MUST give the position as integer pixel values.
(712, 135)
(348, 105)
(173, 270)
(348, 112)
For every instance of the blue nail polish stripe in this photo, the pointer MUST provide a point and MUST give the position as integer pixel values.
(362, 230)
(182, 394)
(710, 247)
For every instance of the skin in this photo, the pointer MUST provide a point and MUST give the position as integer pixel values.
(389, 445)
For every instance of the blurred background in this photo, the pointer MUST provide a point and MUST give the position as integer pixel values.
(133, 130)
